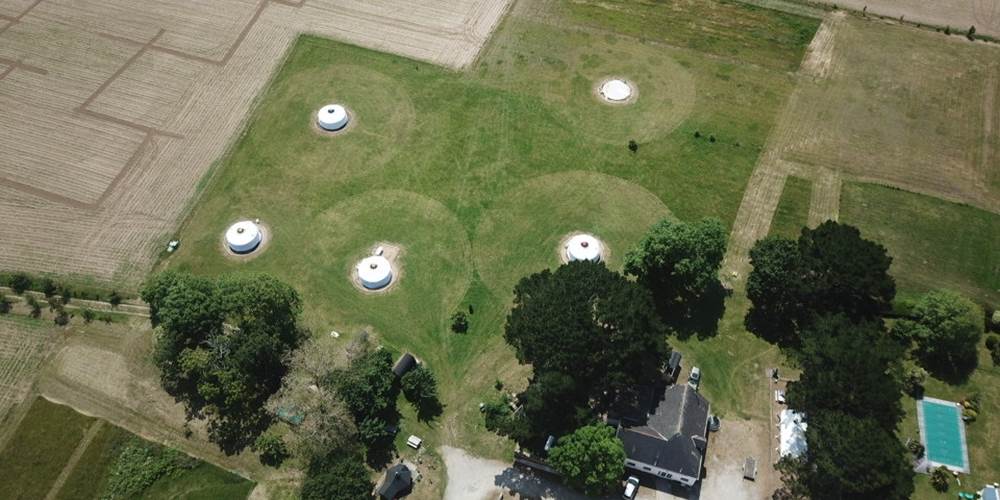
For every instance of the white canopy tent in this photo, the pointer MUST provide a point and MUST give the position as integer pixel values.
(375, 272)
(583, 247)
(791, 433)
(243, 237)
(332, 117)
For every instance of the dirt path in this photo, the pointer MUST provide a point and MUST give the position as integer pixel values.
(74, 458)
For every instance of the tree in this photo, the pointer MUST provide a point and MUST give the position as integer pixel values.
(115, 298)
(367, 389)
(971, 35)
(830, 270)
(633, 146)
(592, 459)
(912, 380)
(36, 308)
(459, 322)
(20, 282)
(271, 449)
(586, 321)
(849, 368)
(554, 404)
(939, 478)
(946, 329)
(993, 344)
(61, 318)
(850, 457)
(4, 304)
(88, 315)
(420, 388)
(338, 476)
(679, 261)
(48, 287)
(223, 347)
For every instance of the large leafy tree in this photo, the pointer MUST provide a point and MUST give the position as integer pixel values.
(221, 352)
(850, 457)
(946, 329)
(337, 476)
(592, 459)
(678, 260)
(420, 388)
(590, 323)
(831, 270)
(849, 368)
(367, 389)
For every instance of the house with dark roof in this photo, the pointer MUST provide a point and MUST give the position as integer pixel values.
(669, 441)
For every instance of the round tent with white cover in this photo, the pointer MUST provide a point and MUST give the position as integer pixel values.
(584, 247)
(616, 90)
(244, 236)
(332, 117)
(791, 433)
(374, 272)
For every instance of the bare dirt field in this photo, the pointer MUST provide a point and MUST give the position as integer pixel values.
(959, 14)
(114, 110)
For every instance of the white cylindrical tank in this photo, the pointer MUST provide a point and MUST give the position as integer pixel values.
(243, 237)
(583, 247)
(374, 272)
(332, 117)
(616, 90)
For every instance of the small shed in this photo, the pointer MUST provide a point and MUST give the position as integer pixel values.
(332, 117)
(750, 469)
(404, 364)
(398, 483)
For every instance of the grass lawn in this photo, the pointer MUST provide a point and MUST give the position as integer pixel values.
(793, 208)
(477, 175)
(983, 435)
(34, 457)
(48, 436)
(934, 243)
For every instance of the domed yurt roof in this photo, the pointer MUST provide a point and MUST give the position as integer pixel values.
(374, 272)
(332, 117)
(243, 237)
(616, 90)
(583, 247)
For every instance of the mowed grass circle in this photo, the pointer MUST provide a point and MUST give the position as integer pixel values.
(381, 116)
(663, 97)
(520, 235)
(433, 270)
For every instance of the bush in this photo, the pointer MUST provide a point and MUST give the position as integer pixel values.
(939, 478)
(4, 304)
(114, 299)
(36, 308)
(20, 282)
(459, 322)
(48, 287)
(62, 317)
(913, 380)
(916, 448)
(271, 448)
(993, 344)
(88, 315)
(139, 465)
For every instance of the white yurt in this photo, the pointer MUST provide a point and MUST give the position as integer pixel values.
(583, 247)
(616, 90)
(374, 272)
(332, 117)
(791, 434)
(244, 236)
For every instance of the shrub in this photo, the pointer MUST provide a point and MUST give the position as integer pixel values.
(62, 317)
(20, 282)
(48, 287)
(459, 322)
(271, 448)
(971, 35)
(114, 299)
(4, 304)
(632, 145)
(139, 465)
(939, 478)
(36, 308)
(66, 293)
(88, 315)
(106, 318)
(916, 448)
(913, 380)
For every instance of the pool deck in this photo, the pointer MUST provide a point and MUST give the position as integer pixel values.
(964, 467)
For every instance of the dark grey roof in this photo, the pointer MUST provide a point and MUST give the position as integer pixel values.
(673, 435)
(674, 362)
(397, 483)
(405, 363)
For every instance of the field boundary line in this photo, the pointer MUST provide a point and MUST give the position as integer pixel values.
(16, 19)
(70, 466)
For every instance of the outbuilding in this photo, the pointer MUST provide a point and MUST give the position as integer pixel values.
(374, 272)
(332, 117)
(398, 483)
(404, 364)
(584, 247)
(243, 237)
(616, 90)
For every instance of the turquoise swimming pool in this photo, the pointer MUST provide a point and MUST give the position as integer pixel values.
(943, 433)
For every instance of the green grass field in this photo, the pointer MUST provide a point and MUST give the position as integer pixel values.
(49, 434)
(793, 208)
(477, 175)
(934, 243)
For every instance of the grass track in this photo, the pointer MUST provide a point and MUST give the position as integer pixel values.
(793, 208)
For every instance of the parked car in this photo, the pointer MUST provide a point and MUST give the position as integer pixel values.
(694, 379)
(631, 488)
